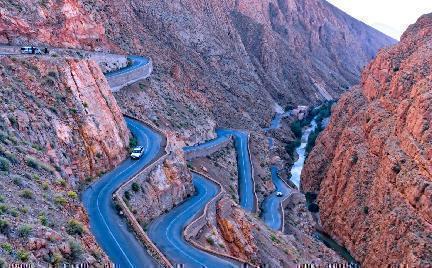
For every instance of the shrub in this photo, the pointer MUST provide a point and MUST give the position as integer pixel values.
(60, 200)
(76, 250)
(274, 238)
(127, 195)
(2, 198)
(7, 247)
(354, 158)
(4, 164)
(26, 193)
(366, 210)
(133, 142)
(45, 186)
(4, 227)
(296, 128)
(135, 187)
(36, 164)
(74, 227)
(61, 182)
(314, 208)
(8, 154)
(23, 255)
(210, 241)
(72, 194)
(43, 219)
(291, 146)
(25, 230)
(3, 209)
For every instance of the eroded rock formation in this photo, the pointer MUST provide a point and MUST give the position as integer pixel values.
(59, 125)
(372, 165)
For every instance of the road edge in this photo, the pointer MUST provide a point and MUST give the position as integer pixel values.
(141, 234)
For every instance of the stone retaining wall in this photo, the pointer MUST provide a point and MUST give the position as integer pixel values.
(119, 81)
(196, 225)
(208, 151)
(141, 234)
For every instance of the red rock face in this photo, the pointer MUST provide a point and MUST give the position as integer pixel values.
(67, 107)
(56, 23)
(372, 165)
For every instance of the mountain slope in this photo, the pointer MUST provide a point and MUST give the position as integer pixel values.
(372, 165)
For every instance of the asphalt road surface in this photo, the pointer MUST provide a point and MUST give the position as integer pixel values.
(167, 230)
(111, 232)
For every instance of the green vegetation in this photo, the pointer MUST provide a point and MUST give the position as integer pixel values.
(274, 238)
(135, 187)
(36, 164)
(210, 241)
(133, 142)
(127, 195)
(60, 200)
(4, 227)
(23, 255)
(3, 209)
(76, 250)
(4, 164)
(27, 194)
(43, 219)
(320, 113)
(25, 230)
(72, 195)
(74, 227)
(7, 247)
(8, 154)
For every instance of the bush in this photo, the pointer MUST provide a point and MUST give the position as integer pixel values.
(74, 227)
(7, 247)
(26, 193)
(43, 219)
(3, 209)
(25, 230)
(296, 128)
(36, 164)
(23, 255)
(76, 250)
(4, 164)
(135, 187)
(133, 142)
(127, 195)
(4, 227)
(72, 194)
(60, 200)
(314, 208)
(210, 241)
(291, 146)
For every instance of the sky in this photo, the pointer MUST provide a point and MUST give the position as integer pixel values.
(391, 17)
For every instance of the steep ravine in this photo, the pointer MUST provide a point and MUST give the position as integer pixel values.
(371, 166)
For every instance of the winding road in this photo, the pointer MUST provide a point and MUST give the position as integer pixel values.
(167, 230)
(137, 62)
(244, 166)
(111, 232)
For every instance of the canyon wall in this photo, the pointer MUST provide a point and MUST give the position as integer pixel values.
(59, 125)
(372, 165)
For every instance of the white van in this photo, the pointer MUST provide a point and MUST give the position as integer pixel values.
(30, 50)
(27, 50)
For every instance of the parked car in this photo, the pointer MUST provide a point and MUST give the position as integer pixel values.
(137, 152)
(279, 194)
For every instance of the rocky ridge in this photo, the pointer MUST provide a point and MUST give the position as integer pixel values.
(371, 165)
(60, 126)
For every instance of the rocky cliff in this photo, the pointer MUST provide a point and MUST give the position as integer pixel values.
(59, 125)
(372, 165)
(236, 57)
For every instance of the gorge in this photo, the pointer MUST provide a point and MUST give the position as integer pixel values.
(217, 93)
